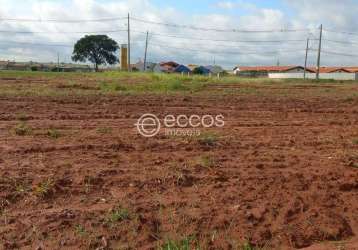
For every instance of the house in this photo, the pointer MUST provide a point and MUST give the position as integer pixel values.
(182, 69)
(71, 67)
(352, 69)
(192, 66)
(139, 66)
(335, 69)
(165, 67)
(263, 71)
(20, 66)
(33, 66)
(201, 70)
(271, 69)
(215, 69)
(3, 65)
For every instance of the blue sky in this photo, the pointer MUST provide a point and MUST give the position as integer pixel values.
(220, 14)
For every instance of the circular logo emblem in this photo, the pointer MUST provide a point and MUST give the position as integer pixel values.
(148, 125)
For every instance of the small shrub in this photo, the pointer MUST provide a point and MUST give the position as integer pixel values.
(118, 87)
(80, 230)
(351, 99)
(156, 77)
(53, 133)
(34, 68)
(184, 244)
(118, 214)
(22, 129)
(44, 189)
(246, 246)
(208, 140)
(112, 87)
(104, 130)
(208, 161)
(353, 164)
(22, 117)
(21, 189)
(177, 86)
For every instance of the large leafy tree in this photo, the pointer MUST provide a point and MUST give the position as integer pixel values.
(98, 49)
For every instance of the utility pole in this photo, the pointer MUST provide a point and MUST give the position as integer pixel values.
(58, 62)
(129, 44)
(304, 73)
(319, 53)
(145, 53)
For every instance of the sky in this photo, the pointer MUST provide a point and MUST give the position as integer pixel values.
(224, 32)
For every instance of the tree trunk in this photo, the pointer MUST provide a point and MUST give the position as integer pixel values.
(96, 67)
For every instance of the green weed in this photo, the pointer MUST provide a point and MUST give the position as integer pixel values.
(208, 161)
(208, 139)
(104, 130)
(22, 129)
(117, 215)
(22, 117)
(184, 244)
(44, 189)
(80, 230)
(53, 133)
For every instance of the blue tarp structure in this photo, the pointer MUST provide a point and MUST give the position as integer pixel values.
(182, 69)
(202, 70)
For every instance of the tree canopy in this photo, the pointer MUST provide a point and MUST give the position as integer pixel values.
(98, 49)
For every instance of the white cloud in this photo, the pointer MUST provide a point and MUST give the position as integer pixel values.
(236, 5)
(308, 13)
(226, 5)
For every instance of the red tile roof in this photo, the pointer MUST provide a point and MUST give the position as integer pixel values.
(352, 69)
(335, 69)
(349, 69)
(268, 68)
(169, 64)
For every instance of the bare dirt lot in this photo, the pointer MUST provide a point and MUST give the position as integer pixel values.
(281, 174)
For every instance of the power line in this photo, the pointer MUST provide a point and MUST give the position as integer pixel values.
(222, 40)
(61, 32)
(336, 53)
(224, 52)
(36, 44)
(339, 54)
(341, 32)
(110, 19)
(340, 42)
(216, 29)
(244, 47)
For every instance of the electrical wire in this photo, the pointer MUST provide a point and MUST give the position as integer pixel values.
(336, 53)
(36, 44)
(341, 32)
(223, 40)
(340, 42)
(244, 47)
(215, 29)
(111, 19)
(223, 52)
(62, 32)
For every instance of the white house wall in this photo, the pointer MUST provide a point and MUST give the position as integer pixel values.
(328, 76)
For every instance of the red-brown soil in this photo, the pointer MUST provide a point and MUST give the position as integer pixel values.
(284, 173)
